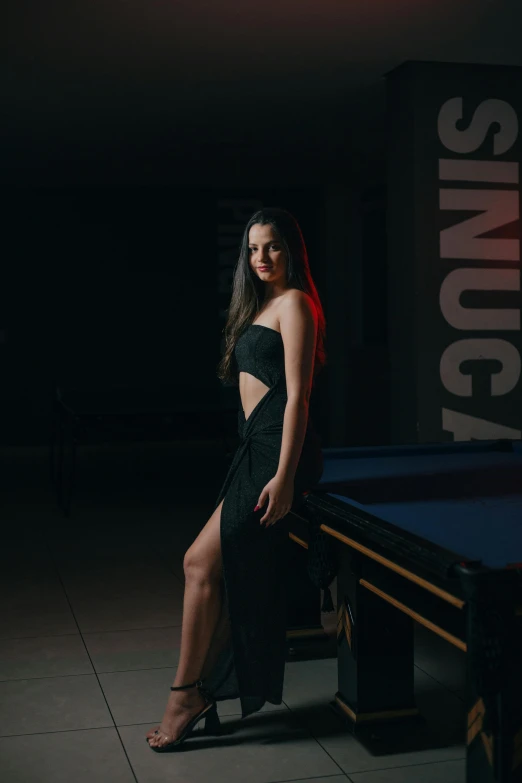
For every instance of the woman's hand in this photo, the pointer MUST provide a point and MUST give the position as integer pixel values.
(280, 494)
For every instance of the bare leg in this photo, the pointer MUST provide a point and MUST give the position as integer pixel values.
(201, 613)
(201, 610)
(220, 637)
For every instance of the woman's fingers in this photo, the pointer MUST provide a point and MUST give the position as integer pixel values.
(274, 515)
(267, 515)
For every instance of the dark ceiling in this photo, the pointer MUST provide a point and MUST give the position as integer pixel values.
(186, 80)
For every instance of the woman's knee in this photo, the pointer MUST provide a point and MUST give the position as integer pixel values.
(202, 560)
(201, 565)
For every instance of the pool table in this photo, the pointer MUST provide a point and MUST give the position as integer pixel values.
(429, 534)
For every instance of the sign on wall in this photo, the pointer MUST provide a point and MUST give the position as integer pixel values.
(454, 251)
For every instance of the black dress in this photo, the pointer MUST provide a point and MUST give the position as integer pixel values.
(247, 654)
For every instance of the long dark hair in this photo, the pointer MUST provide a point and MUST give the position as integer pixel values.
(247, 289)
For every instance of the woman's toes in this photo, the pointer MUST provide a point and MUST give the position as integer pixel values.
(159, 741)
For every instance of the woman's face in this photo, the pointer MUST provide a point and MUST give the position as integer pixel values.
(266, 255)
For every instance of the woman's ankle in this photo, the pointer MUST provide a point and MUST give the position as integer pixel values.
(187, 693)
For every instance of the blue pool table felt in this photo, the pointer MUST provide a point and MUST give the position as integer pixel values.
(486, 528)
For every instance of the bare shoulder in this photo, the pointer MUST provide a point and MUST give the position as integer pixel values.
(299, 301)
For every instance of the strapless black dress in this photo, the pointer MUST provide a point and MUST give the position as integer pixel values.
(247, 654)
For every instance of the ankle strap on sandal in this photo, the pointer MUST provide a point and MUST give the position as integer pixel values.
(197, 684)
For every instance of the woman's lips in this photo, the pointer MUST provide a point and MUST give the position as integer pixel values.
(264, 268)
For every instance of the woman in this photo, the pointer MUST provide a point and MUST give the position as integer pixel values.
(233, 642)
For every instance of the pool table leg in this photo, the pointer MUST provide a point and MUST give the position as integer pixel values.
(494, 677)
(375, 651)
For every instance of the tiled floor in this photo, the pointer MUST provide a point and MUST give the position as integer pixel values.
(89, 639)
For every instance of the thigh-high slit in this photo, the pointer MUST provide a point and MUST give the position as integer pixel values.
(247, 652)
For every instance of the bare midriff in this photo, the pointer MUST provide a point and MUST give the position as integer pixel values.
(251, 391)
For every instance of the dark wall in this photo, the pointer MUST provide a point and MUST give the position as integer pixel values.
(106, 286)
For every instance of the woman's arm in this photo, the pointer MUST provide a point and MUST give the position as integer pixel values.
(298, 322)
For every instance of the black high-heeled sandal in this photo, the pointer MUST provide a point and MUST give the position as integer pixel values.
(209, 712)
